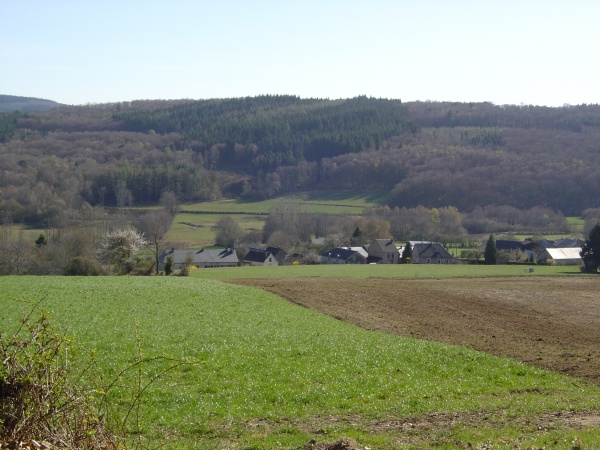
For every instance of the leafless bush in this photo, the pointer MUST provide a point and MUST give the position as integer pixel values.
(40, 398)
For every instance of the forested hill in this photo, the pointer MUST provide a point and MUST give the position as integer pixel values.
(276, 130)
(12, 103)
(432, 154)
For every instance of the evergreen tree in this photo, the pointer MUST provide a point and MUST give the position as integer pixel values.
(357, 237)
(490, 254)
(590, 251)
(406, 254)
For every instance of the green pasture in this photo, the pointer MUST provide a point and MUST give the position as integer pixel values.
(270, 374)
(383, 271)
(193, 226)
(197, 230)
(330, 202)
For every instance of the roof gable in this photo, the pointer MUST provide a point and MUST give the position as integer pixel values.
(431, 250)
(386, 245)
(257, 255)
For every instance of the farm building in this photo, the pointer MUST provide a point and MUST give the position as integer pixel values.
(200, 258)
(568, 256)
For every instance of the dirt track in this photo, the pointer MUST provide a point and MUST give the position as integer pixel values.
(549, 322)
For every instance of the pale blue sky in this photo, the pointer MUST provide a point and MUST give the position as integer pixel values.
(540, 52)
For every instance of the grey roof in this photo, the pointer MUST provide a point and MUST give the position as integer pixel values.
(343, 253)
(387, 245)
(431, 250)
(212, 256)
(275, 251)
(257, 255)
(502, 244)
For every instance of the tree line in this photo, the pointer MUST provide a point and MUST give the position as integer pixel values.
(430, 154)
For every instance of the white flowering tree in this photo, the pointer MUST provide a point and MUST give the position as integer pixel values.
(120, 249)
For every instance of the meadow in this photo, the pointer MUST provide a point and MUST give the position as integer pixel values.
(383, 271)
(270, 374)
(193, 225)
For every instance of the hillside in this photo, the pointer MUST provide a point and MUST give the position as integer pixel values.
(12, 103)
(433, 154)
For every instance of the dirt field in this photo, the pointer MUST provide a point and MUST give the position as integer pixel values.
(549, 322)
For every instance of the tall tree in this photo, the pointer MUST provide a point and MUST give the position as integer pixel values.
(228, 232)
(590, 251)
(170, 202)
(490, 255)
(154, 225)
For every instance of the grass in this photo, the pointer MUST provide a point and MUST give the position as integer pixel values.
(330, 202)
(192, 227)
(383, 271)
(196, 230)
(270, 373)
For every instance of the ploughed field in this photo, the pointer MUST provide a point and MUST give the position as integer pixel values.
(548, 322)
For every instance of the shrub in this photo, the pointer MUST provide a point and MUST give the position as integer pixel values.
(83, 267)
(38, 397)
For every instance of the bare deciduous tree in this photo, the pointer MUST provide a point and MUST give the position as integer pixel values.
(155, 225)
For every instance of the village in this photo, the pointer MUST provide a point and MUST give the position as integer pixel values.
(380, 251)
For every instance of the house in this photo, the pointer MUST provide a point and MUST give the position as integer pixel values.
(280, 255)
(200, 258)
(506, 245)
(259, 257)
(568, 256)
(383, 251)
(296, 258)
(344, 255)
(431, 253)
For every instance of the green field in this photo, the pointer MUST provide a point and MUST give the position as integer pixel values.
(271, 374)
(193, 226)
(332, 202)
(383, 271)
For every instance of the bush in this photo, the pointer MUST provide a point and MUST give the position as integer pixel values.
(83, 267)
(39, 400)
(45, 395)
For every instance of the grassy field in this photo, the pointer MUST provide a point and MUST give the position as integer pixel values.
(192, 227)
(334, 202)
(275, 375)
(383, 271)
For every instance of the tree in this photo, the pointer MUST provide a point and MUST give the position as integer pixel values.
(228, 232)
(41, 240)
(121, 247)
(169, 265)
(154, 225)
(490, 255)
(406, 254)
(590, 250)
(357, 237)
(170, 202)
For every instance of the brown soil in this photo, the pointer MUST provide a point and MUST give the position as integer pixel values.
(548, 322)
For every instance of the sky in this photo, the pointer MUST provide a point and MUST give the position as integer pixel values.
(534, 52)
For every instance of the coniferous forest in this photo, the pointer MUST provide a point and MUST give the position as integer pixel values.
(430, 154)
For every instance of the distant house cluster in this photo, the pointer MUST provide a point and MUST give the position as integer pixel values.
(380, 251)
(559, 252)
(385, 251)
